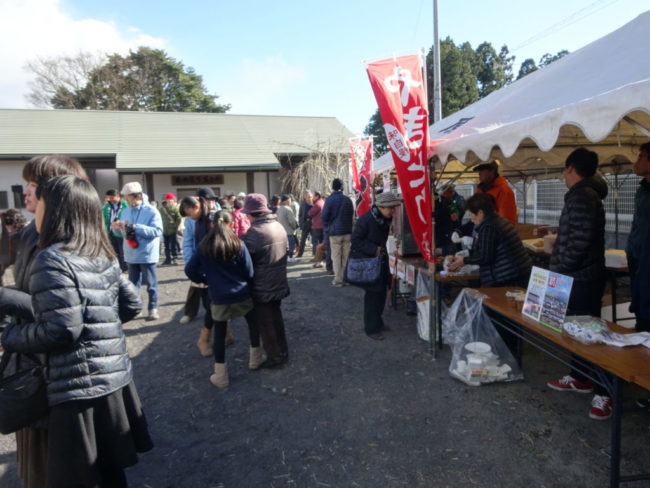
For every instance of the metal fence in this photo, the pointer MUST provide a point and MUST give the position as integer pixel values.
(541, 202)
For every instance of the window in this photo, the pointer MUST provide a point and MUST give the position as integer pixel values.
(4, 201)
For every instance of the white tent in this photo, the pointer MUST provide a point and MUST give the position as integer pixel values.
(598, 96)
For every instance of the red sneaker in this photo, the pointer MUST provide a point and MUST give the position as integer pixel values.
(601, 408)
(569, 383)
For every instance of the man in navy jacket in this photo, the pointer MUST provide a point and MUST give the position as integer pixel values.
(337, 219)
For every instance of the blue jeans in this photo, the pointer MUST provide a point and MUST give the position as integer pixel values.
(145, 272)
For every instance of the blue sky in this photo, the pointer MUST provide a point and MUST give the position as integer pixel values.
(292, 57)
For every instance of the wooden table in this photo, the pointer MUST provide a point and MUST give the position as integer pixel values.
(607, 366)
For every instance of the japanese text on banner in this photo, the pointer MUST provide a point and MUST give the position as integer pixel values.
(399, 88)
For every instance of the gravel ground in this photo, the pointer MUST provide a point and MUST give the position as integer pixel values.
(351, 412)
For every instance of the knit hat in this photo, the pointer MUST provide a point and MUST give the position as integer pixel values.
(170, 196)
(131, 188)
(387, 199)
(255, 203)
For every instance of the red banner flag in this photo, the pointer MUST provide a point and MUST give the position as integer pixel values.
(401, 94)
(360, 169)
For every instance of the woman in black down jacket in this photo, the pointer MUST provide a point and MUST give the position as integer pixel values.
(369, 240)
(80, 299)
(497, 249)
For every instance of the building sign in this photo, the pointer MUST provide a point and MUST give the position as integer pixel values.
(196, 180)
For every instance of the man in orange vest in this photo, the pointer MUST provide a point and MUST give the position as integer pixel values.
(497, 186)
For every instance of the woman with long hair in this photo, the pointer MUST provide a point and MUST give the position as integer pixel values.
(223, 262)
(95, 426)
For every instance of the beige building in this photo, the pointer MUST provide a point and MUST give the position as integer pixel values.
(166, 151)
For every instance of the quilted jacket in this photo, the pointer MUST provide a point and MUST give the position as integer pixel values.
(79, 306)
(579, 250)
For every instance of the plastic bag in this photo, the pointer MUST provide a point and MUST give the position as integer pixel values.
(422, 284)
(479, 354)
(586, 329)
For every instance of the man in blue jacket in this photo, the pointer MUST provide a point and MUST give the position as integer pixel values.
(337, 219)
(141, 226)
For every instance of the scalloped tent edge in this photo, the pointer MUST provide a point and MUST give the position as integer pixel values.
(597, 97)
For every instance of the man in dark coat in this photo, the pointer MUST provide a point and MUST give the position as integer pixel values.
(305, 221)
(266, 241)
(337, 219)
(579, 252)
(637, 248)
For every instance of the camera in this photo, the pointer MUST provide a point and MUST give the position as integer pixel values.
(129, 234)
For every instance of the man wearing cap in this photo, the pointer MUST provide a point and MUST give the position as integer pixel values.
(141, 226)
(337, 218)
(171, 220)
(266, 241)
(497, 186)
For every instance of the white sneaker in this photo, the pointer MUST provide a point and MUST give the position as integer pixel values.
(185, 319)
(153, 314)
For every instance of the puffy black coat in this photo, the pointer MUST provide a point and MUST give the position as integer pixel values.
(498, 250)
(579, 249)
(266, 242)
(25, 243)
(369, 234)
(79, 305)
(337, 214)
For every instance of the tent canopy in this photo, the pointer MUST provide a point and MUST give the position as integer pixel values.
(598, 97)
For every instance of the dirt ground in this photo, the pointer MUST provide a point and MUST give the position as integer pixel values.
(348, 411)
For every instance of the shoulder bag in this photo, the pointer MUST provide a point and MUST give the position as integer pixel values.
(23, 395)
(363, 271)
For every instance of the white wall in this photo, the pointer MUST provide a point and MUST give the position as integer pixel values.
(259, 183)
(11, 173)
(106, 179)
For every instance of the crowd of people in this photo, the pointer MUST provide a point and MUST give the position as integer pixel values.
(72, 296)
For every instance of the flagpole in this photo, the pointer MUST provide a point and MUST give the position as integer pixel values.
(437, 93)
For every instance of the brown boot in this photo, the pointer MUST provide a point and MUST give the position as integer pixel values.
(220, 376)
(229, 338)
(205, 348)
(255, 358)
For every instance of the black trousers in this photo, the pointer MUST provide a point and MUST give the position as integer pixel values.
(171, 248)
(587, 299)
(304, 234)
(116, 242)
(373, 307)
(194, 298)
(219, 337)
(270, 323)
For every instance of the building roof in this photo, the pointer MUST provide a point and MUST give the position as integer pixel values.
(144, 141)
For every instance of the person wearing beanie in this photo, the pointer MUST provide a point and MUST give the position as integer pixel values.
(171, 219)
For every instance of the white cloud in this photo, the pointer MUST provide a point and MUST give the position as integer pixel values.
(40, 28)
(262, 86)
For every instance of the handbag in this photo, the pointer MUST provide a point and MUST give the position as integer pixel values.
(23, 395)
(363, 271)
